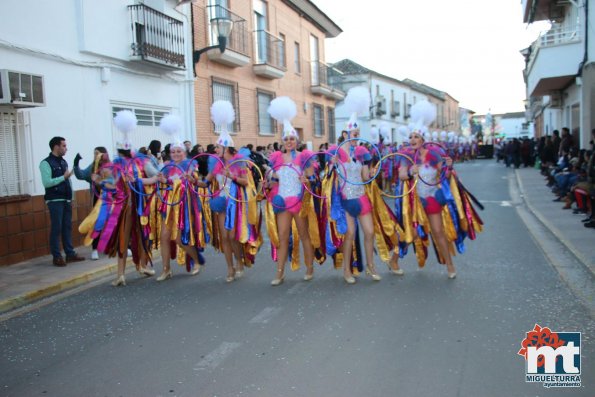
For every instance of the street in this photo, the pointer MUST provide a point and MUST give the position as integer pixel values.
(416, 335)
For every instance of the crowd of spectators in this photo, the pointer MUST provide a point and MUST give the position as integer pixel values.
(569, 172)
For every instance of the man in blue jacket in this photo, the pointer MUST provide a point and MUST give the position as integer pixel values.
(55, 177)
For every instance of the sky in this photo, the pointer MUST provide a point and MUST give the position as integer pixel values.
(468, 48)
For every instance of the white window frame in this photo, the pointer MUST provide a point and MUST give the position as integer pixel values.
(147, 128)
(265, 113)
(16, 169)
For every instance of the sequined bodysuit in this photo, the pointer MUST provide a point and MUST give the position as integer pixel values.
(354, 175)
(289, 180)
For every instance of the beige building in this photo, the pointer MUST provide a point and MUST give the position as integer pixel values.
(276, 48)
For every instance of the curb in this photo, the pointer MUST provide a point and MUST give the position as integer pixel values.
(30, 297)
(553, 229)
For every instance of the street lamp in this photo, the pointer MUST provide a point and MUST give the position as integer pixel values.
(221, 27)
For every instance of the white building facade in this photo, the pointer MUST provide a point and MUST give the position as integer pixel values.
(559, 72)
(391, 100)
(74, 64)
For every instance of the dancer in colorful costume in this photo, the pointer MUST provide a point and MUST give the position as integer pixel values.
(284, 209)
(360, 200)
(235, 227)
(182, 224)
(122, 220)
(440, 207)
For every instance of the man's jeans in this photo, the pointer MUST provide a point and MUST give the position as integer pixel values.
(61, 218)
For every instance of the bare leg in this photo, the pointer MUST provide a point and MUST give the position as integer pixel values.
(368, 228)
(284, 229)
(346, 248)
(238, 252)
(440, 238)
(226, 244)
(302, 226)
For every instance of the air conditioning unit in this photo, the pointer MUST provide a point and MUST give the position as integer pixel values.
(21, 90)
(556, 100)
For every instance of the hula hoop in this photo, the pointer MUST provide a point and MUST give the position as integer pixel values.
(442, 172)
(414, 181)
(227, 167)
(325, 152)
(377, 171)
(169, 188)
(266, 196)
(195, 162)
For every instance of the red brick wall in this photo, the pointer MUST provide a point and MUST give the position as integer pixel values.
(25, 226)
(282, 19)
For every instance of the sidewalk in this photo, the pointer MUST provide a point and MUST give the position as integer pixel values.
(30, 281)
(566, 226)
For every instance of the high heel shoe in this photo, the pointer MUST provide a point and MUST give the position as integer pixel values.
(398, 272)
(452, 275)
(119, 281)
(239, 273)
(229, 279)
(147, 272)
(279, 279)
(309, 275)
(349, 279)
(374, 275)
(165, 275)
(195, 271)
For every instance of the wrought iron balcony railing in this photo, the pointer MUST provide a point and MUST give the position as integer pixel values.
(319, 73)
(156, 37)
(268, 49)
(238, 40)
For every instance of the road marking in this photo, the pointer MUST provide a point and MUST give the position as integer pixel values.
(265, 315)
(502, 203)
(299, 287)
(216, 357)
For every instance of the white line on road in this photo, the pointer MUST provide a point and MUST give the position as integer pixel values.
(216, 357)
(299, 287)
(265, 315)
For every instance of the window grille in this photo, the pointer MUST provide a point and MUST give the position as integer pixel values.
(266, 124)
(224, 90)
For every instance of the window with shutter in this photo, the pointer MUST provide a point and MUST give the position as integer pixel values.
(10, 169)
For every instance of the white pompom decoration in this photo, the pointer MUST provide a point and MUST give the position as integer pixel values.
(358, 100)
(282, 109)
(423, 113)
(171, 124)
(125, 121)
(222, 113)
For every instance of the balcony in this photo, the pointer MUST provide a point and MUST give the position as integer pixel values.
(542, 10)
(237, 50)
(322, 78)
(156, 37)
(268, 62)
(554, 60)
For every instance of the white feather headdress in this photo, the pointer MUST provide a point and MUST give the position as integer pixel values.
(222, 114)
(172, 125)
(283, 109)
(125, 121)
(423, 113)
(357, 103)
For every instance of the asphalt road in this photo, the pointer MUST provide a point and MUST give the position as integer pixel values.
(416, 335)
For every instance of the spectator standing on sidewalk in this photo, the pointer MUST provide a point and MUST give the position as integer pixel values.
(566, 143)
(86, 175)
(55, 177)
(556, 141)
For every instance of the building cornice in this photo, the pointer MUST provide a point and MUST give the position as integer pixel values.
(308, 10)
